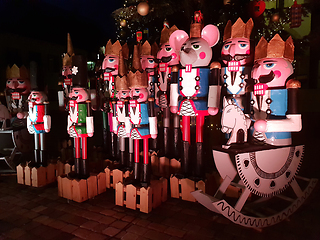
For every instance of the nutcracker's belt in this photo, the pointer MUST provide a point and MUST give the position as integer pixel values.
(140, 125)
(34, 123)
(192, 98)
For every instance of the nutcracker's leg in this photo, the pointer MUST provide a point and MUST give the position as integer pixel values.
(185, 145)
(199, 143)
(176, 136)
(146, 166)
(122, 148)
(113, 138)
(166, 127)
(36, 149)
(136, 160)
(84, 171)
(77, 153)
(105, 133)
(130, 164)
(43, 150)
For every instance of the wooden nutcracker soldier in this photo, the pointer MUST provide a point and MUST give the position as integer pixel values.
(66, 74)
(191, 95)
(110, 67)
(148, 63)
(142, 117)
(274, 99)
(121, 122)
(38, 123)
(80, 121)
(17, 90)
(167, 58)
(237, 57)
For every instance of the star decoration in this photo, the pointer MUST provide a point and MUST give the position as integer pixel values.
(75, 70)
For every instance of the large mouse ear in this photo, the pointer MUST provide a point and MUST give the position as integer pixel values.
(177, 38)
(211, 34)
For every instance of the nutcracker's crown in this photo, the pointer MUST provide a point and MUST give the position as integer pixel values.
(121, 83)
(136, 58)
(166, 32)
(67, 57)
(137, 79)
(276, 48)
(238, 30)
(16, 72)
(147, 49)
(113, 49)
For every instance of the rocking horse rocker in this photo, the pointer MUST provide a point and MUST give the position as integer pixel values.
(270, 166)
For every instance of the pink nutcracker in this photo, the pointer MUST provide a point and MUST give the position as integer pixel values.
(121, 122)
(110, 67)
(235, 76)
(167, 57)
(274, 99)
(191, 94)
(39, 123)
(142, 117)
(80, 121)
(148, 62)
(66, 74)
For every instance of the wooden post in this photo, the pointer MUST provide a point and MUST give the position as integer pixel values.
(60, 186)
(79, 190)
(27, 174)
(51, 173)
(119, 194)
(145, 200)
(67, 187)
(20, 174)
(131, 197)
(38, 177)
(108, 177)
(101, 179)
(92, 186)
(174, 187)
(164, 167)
(187, 186)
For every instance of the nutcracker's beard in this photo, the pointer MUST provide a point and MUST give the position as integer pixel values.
(267, 78)
(166, 59)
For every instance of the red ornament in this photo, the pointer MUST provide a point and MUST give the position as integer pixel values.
(295, 15)
(257, 7)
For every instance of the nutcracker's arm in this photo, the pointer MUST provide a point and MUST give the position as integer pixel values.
(114, 117)
(174, 95)
(46, 118)
(214, 85)
(89, 120)
(152, 118)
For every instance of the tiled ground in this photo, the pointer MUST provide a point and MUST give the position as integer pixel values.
(38, 213)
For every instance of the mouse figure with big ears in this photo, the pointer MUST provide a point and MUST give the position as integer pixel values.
(142, 117)
(192, 95)
(80, 121)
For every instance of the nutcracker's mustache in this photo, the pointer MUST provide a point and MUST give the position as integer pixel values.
(237, 57)
(19, 90)
(74, 98)
(165, 59)
(135, 97)
(107, 70)
(149, 70)
(267, 78)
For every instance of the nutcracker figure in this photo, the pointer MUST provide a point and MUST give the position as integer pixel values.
(237, 56)
(80, 121)
(148, 63)
(17, 90)
(194, 97)
(142, 117)
(121, 122)
(110, 67)
(274, 98)
(167, 58)
(66, 74)
(38, 123)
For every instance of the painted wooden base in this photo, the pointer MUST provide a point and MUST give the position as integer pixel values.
(163, 166)
(80, 190)
(114, 176)
(182, 188)
(142, 198)
(36, 177)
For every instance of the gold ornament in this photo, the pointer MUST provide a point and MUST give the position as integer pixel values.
(275, 17)
(123, 23)
(143, 8)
